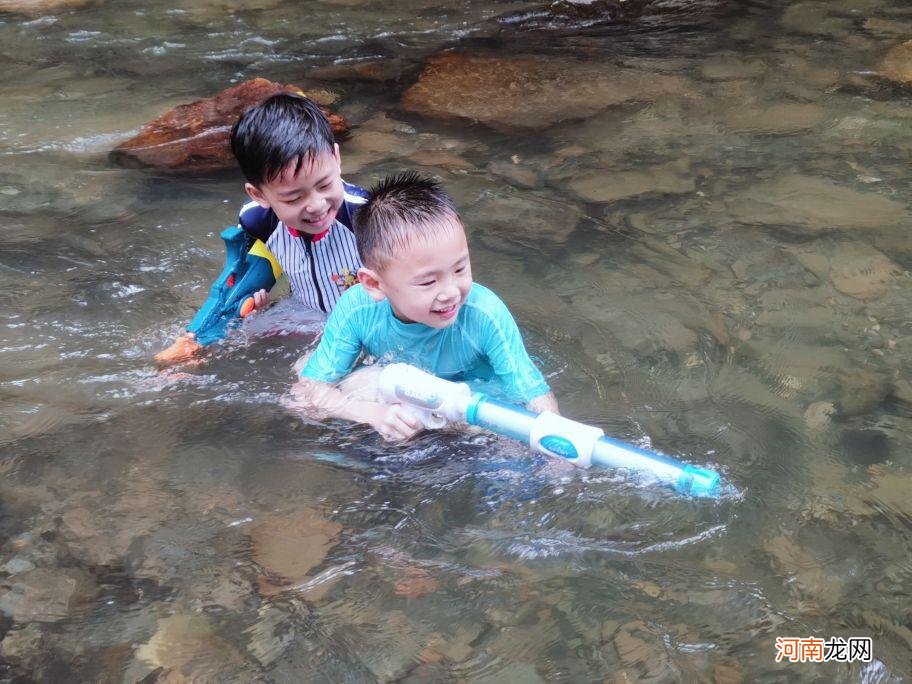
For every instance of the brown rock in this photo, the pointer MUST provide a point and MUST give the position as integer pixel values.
(24, 645)
(856, 270)
(187, 645)
(529, 92)
(727, 673)
(289, 546)
(897, 65)
(415, 583)
(194, 137)
(37, 8)
(642, 651)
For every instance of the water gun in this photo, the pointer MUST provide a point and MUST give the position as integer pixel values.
(437, 402)
(249, 267)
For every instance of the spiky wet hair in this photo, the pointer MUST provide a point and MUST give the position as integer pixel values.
(401, 209)
(283, 128)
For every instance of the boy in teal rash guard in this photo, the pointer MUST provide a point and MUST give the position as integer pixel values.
(416, 303)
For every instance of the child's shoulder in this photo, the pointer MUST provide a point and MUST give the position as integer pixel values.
(484, 301)
(354, 297)
(354, 194)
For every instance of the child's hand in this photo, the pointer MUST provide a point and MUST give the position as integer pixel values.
(182, 349)
(395, 422)
(259, 300)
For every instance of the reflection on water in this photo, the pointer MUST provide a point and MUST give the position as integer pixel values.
(696, 211)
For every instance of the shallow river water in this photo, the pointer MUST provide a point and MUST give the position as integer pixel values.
(699, 216)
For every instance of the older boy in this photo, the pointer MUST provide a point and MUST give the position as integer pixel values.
(416, 303)
(300, 217)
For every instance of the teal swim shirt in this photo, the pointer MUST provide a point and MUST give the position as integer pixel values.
(483, 346)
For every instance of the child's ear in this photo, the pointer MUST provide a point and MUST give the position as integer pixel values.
(370, 281)
(256, 195)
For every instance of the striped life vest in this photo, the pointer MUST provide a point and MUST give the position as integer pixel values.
(319, 268)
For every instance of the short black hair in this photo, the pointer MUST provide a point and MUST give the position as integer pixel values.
(283, 128)
(400, 208)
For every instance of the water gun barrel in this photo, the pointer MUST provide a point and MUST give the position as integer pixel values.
(439, 401)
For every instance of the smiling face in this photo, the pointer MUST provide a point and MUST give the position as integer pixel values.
(429, 279)
(305, 199)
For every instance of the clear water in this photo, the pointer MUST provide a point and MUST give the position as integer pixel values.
(705, 271)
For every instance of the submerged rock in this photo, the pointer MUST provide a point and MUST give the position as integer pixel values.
(805, 573)
(888, 26)
(729, 67)
(784, 118)
(642, 652)
(821, 373)
(46, 595)
(814, 18)
(598, 186)
(188, 648)
(813, 203)
(530, 92)
(523, 218)
(415, 583)
(891, 492)
(194, 137)
(855, 270)
(289, 546)
(897, 65)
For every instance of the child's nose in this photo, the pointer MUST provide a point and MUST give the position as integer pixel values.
(449, 291)
(313, 203)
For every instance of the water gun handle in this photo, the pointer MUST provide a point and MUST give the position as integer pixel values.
(434, 401)
(249, 267)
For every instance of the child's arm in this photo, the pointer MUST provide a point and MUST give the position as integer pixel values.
(326, 387)
(504, 348)
(250, 270)
(545, 402)
(321, 400)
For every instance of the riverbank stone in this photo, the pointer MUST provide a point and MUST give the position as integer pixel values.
(194, 137)
(527, 92)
